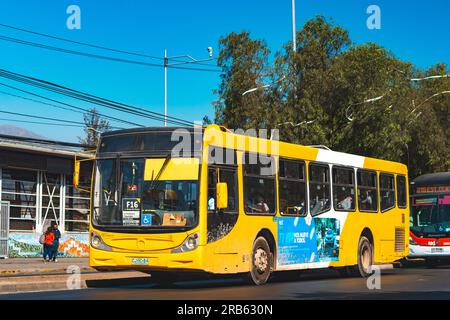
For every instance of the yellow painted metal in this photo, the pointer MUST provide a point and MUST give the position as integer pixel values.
(176, 169)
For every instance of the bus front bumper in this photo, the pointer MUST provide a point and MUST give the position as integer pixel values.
(110, 260)
(416, 251)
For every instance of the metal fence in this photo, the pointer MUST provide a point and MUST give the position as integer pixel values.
(4, 229)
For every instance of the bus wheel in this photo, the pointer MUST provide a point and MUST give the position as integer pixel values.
(261, 261)
(365, 257)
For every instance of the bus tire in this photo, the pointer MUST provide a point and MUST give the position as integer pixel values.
(262, 262)
(365, 257)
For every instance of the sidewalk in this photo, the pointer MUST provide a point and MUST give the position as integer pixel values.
(32, 275)
(29, 266)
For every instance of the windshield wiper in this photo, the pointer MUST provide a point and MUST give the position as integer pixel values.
(154, 184)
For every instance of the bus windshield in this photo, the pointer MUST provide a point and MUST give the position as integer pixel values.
(430, 215)
(146, 193)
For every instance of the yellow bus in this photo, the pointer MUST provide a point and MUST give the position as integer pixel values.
(206, 199)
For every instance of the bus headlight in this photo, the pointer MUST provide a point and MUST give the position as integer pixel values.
(412, 241)
(97, 242)
(189, 244)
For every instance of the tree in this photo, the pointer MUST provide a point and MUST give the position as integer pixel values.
(244, 65)
(352, 98)
(94, 126)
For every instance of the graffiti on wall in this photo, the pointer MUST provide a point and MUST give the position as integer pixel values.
(27, 245)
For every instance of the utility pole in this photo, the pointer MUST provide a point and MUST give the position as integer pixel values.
(294, 36)
(176, 63)
(166, 64)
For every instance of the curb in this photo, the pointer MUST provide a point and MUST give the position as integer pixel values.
(39, 271)
(40, 283)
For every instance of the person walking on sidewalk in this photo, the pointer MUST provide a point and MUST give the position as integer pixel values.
(55, 247)
(49, 238)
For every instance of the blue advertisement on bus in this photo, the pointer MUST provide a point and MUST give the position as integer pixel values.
(300, 242)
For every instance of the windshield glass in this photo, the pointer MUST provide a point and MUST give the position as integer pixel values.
(430, 215)
(146, 193)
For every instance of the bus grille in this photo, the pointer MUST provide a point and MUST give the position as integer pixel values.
(399, 239)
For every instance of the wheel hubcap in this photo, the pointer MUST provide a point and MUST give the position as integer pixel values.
(365, 258)
(261, 260)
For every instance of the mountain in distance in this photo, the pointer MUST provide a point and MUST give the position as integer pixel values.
(18, 132)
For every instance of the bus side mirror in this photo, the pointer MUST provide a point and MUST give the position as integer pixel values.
(76, 173)
(222, 195)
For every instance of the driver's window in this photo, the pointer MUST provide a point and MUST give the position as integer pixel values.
(228, 176)
(221, 222)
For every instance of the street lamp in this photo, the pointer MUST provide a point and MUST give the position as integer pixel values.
(263, 87)
(167, 65)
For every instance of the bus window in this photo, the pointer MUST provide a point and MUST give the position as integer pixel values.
(387, 191)
(221, 222)
(367, 191)
(343, 189)
(401, 191)
(292, 187)
(319, 188)
(259, 184)
(227, 175)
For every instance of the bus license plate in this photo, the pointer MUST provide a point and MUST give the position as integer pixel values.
(437, 250)
(139, 261)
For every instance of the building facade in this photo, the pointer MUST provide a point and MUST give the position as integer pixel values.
(36, 183)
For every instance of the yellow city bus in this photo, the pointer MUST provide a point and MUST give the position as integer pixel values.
(170, 199)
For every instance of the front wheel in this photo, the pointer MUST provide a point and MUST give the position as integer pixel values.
(262, 262)
(365, 257)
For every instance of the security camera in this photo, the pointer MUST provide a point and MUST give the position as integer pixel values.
(210, 51)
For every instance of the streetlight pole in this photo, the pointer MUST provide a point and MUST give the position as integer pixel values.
(294, 36)
(167, 65)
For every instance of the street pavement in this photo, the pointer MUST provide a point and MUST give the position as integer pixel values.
(402, 283)
(34, 275)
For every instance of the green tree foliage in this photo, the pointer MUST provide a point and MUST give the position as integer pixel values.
(244, 64)
(94, 126)
(352, 98)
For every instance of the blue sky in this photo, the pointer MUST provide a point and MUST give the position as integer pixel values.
(416, 31)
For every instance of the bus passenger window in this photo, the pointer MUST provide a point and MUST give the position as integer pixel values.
(343, 189)
(292, 187)
(367, 191)
(259, 184)
(387, 192)
(401, 191)
(319, 188)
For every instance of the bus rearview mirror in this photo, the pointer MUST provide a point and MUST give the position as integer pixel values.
(222, 195)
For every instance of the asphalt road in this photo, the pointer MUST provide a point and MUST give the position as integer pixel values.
(404, 283)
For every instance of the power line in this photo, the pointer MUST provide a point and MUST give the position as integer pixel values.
(44, 123)
(82, 110)
(92, 55)
(90, 98)
(80, 43)
(93, 45)
(47, 118)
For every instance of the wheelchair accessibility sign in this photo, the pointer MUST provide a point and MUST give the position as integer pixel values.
(146, 219)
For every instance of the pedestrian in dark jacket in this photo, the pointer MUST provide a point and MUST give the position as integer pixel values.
(49, 238)
(57, 236)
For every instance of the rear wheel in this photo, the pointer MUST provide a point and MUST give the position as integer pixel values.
(365, 257)
(262, 261)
